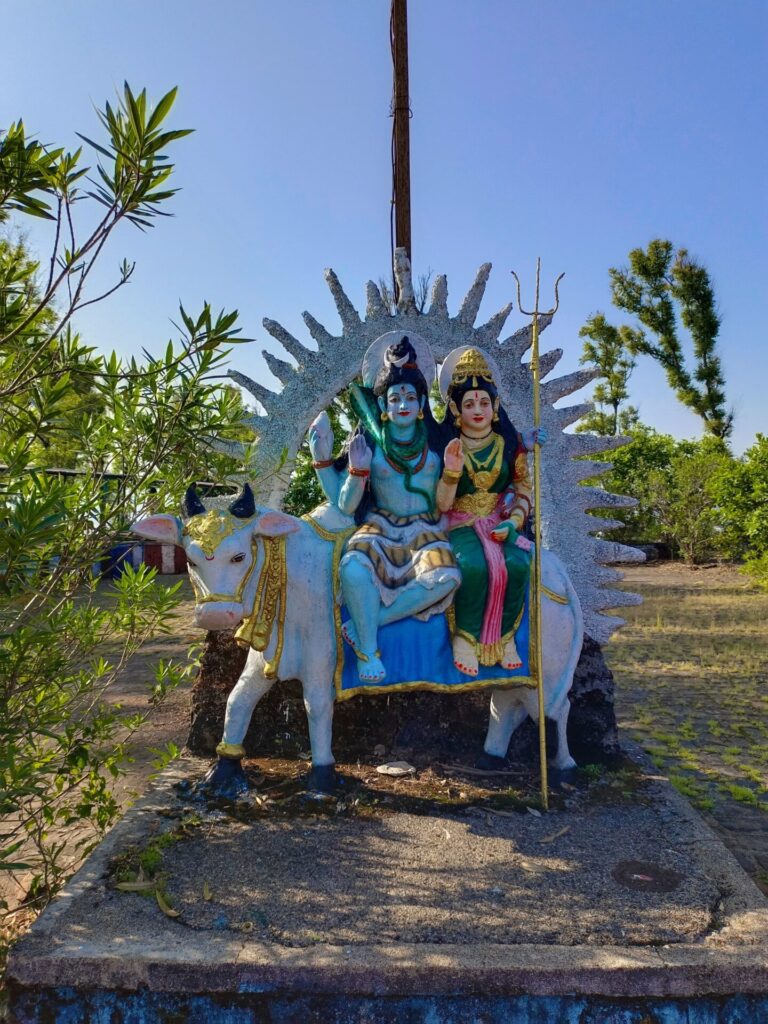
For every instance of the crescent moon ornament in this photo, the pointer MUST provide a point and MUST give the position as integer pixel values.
(373, 360)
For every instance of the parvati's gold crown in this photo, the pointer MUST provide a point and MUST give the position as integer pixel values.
(471, 364)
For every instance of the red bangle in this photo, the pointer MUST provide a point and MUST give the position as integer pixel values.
(322, 464)
(359, 472)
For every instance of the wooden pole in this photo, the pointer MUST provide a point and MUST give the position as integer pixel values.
(401, 151)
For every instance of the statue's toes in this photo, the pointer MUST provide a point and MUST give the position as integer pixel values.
(468, 670)
(372, 670)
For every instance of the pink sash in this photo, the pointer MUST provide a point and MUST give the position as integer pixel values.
(497, 567)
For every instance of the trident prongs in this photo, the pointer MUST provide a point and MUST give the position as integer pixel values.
(538, 312)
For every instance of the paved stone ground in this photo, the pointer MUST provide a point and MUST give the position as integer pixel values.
(691, 669)
(621, 894)
(608, 865)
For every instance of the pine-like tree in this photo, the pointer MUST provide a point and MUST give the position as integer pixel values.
(658, 287)
(608, 347)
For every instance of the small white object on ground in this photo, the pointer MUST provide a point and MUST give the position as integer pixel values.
(396, 768)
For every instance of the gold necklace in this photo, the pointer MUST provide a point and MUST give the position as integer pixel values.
(485, 472)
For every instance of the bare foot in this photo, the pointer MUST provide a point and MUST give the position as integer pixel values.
(510, 658)
(370, 667)
(464, 657)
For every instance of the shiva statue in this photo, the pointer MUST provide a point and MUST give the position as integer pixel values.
(485, 489)
(399, 562)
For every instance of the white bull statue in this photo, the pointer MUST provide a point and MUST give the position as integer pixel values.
(272, 575)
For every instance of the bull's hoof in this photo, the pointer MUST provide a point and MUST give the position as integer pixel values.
(491, 763)
(322, 779)
(568, 775)
(225, 778)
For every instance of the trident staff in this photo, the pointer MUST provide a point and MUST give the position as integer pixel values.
(536, 603)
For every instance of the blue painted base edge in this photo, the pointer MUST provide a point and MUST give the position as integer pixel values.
(70, 1006)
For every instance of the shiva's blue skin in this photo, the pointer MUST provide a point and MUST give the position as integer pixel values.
(361, 595)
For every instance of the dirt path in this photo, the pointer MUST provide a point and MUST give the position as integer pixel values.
(170, 722)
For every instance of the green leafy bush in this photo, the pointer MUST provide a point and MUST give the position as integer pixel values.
(743, 496)
(679, 487)
(133, 431)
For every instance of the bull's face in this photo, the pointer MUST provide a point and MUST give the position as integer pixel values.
(222, 551)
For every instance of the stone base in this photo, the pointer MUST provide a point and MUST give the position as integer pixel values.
(441, 725)
(625, 910)
(300, 999)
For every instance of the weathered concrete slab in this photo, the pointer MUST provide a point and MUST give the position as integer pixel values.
(621, 911)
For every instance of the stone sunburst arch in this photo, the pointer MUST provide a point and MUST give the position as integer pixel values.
(319, 376)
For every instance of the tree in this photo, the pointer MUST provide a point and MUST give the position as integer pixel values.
(649, 453)
(685, 501)
(133, 431)
(658, 286)
(679, 487)
(742, 495)
(607, 347)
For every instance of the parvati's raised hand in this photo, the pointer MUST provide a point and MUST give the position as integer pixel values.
(454, 456)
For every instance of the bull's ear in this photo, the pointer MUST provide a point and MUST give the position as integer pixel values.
(275, 524)
(163, 528)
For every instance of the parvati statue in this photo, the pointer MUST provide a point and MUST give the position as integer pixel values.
(485, 489)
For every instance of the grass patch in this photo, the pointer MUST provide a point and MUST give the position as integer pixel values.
(743, 794)
(146, 862)
(690, 667)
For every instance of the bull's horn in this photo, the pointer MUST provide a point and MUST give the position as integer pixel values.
(191, 505)
(244, 505)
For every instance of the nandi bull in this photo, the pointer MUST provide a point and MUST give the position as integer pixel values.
(271, 576)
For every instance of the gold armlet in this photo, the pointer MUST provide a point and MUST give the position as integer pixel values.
(451, 476)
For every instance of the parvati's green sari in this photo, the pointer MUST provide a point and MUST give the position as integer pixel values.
(489, 603)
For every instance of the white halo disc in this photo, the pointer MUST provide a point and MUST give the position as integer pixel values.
(373, 360)
(449, 365)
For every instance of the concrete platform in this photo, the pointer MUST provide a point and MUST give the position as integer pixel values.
(620, 908)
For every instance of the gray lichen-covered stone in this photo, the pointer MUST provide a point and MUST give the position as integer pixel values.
(310, 386)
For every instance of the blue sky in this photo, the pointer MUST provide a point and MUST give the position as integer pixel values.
(570, 129)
